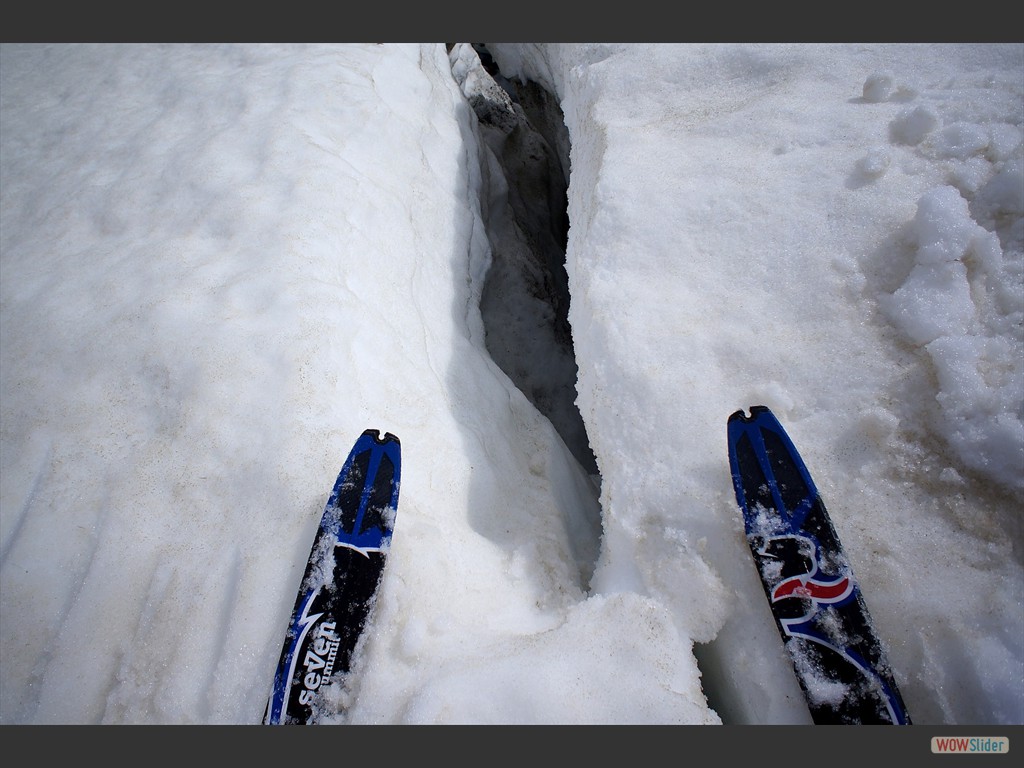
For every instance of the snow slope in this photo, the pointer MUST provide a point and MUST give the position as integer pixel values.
(219, 264)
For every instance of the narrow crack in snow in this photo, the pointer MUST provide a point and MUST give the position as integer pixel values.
(525, 298)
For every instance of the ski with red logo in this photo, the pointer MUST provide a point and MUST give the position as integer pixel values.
(340, 583)
(818, 607)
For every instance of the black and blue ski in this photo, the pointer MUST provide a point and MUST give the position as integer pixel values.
(340, 581)
(817, 604)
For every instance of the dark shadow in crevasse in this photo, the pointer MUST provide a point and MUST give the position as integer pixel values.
(525, 301)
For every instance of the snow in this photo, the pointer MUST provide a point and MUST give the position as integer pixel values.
(220, 263)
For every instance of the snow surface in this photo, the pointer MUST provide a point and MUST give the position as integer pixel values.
(219, 264)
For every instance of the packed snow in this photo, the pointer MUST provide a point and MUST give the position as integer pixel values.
(219, 264)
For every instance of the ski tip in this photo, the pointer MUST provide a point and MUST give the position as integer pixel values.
(756, 411)
(375, 434)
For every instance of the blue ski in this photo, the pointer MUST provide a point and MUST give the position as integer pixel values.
(818, 607)
(340, 581)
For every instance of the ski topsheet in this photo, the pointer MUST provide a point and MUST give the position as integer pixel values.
(339, 583)
(816, 602)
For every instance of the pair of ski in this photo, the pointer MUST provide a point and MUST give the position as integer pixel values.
(817, 605)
